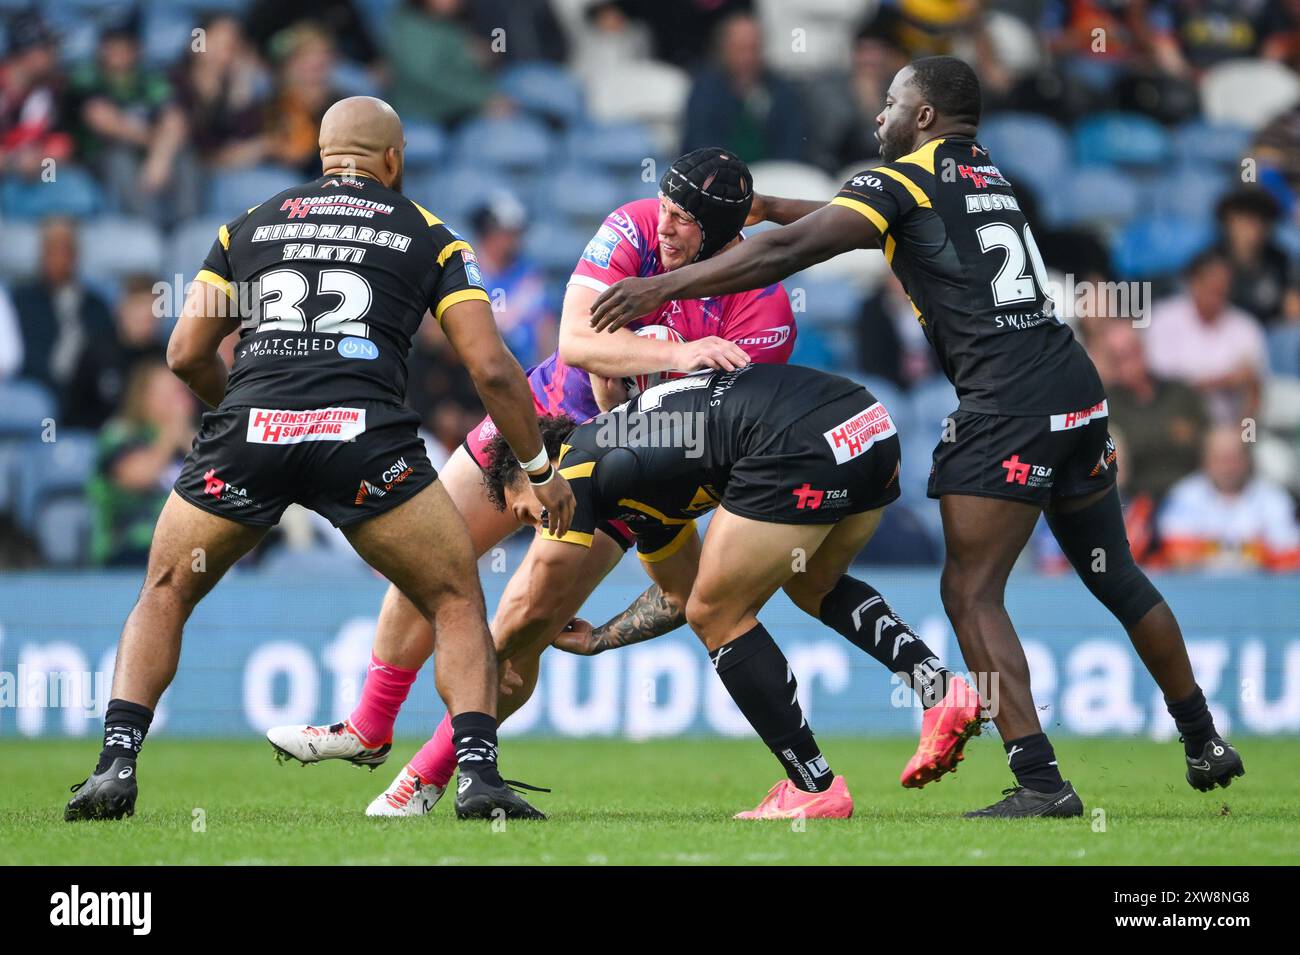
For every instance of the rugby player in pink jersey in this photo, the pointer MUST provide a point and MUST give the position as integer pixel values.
(704, 201)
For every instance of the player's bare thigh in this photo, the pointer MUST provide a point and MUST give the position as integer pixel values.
(399, 620)
(832, 560)
(422, 546)
(192, 549)
(744, 562)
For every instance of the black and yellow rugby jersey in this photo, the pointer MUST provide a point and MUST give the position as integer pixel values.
(331, 279)
(666, 457)
(954, 234)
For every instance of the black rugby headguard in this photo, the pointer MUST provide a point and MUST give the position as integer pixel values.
(714, 186)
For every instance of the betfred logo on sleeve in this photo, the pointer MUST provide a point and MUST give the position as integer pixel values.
(852, 437)
(276, 426)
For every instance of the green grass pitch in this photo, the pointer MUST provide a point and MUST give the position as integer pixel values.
(657, 803)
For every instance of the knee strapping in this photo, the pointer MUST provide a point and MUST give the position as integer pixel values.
(1096, 544)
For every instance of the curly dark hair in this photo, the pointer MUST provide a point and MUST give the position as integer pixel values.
(503, 469)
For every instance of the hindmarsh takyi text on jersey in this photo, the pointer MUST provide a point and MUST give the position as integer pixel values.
(331, 279)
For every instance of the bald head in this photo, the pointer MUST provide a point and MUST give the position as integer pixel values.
(363, 134)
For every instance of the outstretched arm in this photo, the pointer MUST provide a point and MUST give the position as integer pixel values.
(754, 263)
(779, 210)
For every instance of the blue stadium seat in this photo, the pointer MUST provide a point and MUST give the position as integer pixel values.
(583, 195)
(1028, 147)
(62, 530)
(1200, 141)
(618, 145)
(73, 192)
(1095, 194)
(22, 250)
(453, 192)
(189, 246)
(555, 246)
(507, 142)
(546, 90)
(1149, 248)
(426, 144)
(24, 407)
(11, 450)
(49, 469)
(234, 192)
(1284, 350)
(932, 400)
(1120, 139)
(1189, 192)
(166, 33)
(823, 303)
(117, 247)
(812, 349)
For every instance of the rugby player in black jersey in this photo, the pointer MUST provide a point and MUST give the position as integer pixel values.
(339, 273)
(800, 465)
(1030, 432)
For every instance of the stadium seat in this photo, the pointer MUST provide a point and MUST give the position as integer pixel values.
(932, 400)
(453, 192)
(582, 195)
(813, 349)
(62, 530)
(822, 303)
(11, 450)
(117, 247)
(1248, 92)
(1029, 147)
(24, 407)
(624, 146)
(1189, 192)
(22, 250)
(555, 246)
(426, 145)
(353, 79)
(1120, 139)
(166, 33)
(507, 142)
(1280, 401)
(1200, 141)
(188, 247)
(48, 469)
(236, 191)
(1284, 350)
(73, 192)
(1106, 195)
(1149, 248)
(546, 91)
(643, 91)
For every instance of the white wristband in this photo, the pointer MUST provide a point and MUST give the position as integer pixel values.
(540, 459)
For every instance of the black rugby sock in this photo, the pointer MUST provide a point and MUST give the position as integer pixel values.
(1033, 762)
(758, 677)
(1194, 722)
(858, 612)
(125, 727)
(475, 737)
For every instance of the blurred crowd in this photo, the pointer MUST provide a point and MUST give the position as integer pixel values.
(1155, 145)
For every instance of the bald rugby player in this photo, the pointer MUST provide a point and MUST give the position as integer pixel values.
(327, 282)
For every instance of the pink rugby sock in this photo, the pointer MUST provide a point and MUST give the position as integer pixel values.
(382, 696)
(436, 759)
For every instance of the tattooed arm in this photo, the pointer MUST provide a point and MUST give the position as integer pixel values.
(651, 615)
(661, 609)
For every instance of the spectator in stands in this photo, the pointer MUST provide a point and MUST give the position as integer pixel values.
(515, 283)
(59, 316)
(220, 90)
(1260, 271)
(1190, 36)
(610, 39)
(1162, 419)
(1281, 29)
(890, 341)
(30, 132)
(528, 29)
(440, 68)
(1201, 338)
(96, 387)
(304, 58)
(140, 453)
(682, 28)
(737, 100)
(130, 131)
(1223, 517)
(338, 19)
